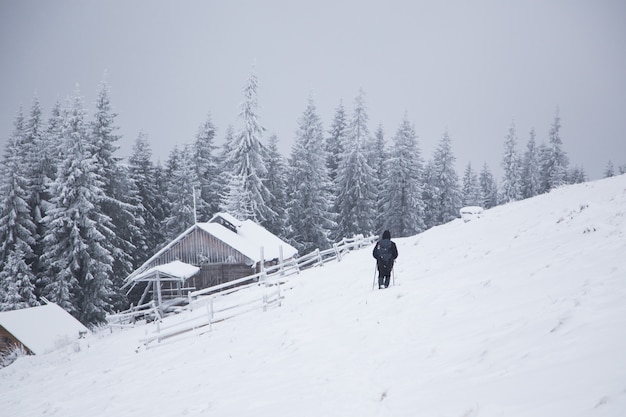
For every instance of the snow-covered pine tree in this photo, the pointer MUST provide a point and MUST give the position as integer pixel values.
(511, 164)
(276, 183)
(144, 174)
(335, 142)
(609, 170)
(445, 183)
(309, 220)
(531, 182)
(181, 183)
(555, 161)
(429, 191)
(488, 187)
(472, 192)
(205, 161)
(378, 161)
(17, 281)
(79, 264)
(246, 195)
(355, 203)
(401, 191)
(577, 175)
(120, 201)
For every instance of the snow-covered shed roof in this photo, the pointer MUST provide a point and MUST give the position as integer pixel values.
(43, 328)
(173, 271)
(247, 237)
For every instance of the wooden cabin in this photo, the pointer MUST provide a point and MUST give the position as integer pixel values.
(38, 330)
(224, 249)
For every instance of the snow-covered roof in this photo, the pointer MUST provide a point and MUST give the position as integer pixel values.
(42, 329)
(248, 238)
(176, 270)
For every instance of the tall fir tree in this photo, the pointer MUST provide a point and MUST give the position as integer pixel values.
(205, 162)
(401, 191)
(488, 187)
(379, 156)
(555, 162)
(356, 198)
(335, 143)
(144, 175)
(472, 192)
(120, 200)
(79, 263)
(309, 220)
(181, 184)
(276, 183)
(246, 196)
(445, 183)
(511, 164)
(17, 281)
(609, 170)
(531, 173)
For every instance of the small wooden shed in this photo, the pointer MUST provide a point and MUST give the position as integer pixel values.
(39, 329)
(222, 249)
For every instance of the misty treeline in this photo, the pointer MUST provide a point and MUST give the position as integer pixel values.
(75, 220)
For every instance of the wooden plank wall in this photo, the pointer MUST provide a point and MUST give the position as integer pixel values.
(198, 248)
(218, 262)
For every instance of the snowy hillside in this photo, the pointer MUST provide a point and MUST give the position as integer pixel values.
(519, 313)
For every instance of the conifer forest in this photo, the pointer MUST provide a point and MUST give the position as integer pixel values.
(76, 219)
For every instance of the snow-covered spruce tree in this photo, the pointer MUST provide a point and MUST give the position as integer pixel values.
(445, 183)
(335, 142)
(309, 220)
(79, 264)
(401, 190)
(181, 181)
(144, 174)
(356, 198)
(472, 192)
(276, 183)
(121, 201)
(205, 161)
(530, 169)
(577, 175)
(17, 281)
(511, 164)
(246, 195)
(488, 187)
(609, 170)
(554, 162)
(377, 160)
(429, 191)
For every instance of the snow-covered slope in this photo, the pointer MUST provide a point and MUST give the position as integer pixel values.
(519, 313)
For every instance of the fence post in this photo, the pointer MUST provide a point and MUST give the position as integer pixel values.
(209, 307)
(337, 252)
(280, 260)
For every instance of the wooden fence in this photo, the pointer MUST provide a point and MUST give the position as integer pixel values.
(203, 300)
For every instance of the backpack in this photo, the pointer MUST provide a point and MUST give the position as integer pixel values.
(384, 250)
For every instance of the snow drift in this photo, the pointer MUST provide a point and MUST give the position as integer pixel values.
(521, 312)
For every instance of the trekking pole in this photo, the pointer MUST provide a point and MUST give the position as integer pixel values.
(374, 282)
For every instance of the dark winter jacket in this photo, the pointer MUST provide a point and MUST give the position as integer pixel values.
(385, 251)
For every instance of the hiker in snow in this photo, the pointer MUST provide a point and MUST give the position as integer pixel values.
(385, 253)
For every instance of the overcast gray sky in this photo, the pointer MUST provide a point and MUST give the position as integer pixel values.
(468, 67)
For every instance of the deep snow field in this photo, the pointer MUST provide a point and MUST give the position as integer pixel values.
(519, 313)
